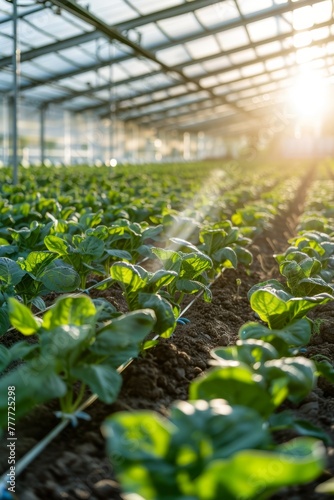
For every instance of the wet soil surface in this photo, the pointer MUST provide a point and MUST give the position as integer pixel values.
(75, 466)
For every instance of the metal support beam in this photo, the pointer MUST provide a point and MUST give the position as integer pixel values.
(15, 61)
(42, 133)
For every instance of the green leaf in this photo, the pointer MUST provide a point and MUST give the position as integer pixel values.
(56, 245)
(170, 259)
(287, 420)
(4, 319)
(5, 358)
(121, 339)
(70, 311)
(296, 334)
(119, 254)
(166, 322)
(39, 303)
(279, 308)
(10, 272)
(66, 343)
(248, 474)
(244, 256)
(299, 373)
(191, 287)
(22, 318)
(92, 246)
(102, 379)
(35, 382)
(193, 265)
(160, 279)
(128, 275)
(61, 278)
(226, 257)
(246, 351)
(237, 384)
(36, 263)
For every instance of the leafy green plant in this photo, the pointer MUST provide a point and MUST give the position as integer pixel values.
(277, 307)
(80, 254)
(252, 374)
(189, 270)
(204, 451)
(287, 341)
(141, 288)
(72, 349)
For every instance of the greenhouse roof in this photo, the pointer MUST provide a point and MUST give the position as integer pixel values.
(174, 64)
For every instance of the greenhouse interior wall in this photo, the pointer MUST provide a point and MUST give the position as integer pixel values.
(83, 138)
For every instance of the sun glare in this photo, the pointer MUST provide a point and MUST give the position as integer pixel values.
(308, 96)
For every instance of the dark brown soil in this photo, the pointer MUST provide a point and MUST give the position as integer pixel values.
(75, 465)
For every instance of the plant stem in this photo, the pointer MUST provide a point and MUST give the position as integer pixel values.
(80, 396)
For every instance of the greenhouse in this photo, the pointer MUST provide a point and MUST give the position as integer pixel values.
(166, 250)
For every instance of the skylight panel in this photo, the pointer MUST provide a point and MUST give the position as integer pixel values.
(173, 56)
(230, 76)
(151, 35)
(194, 70)
(181, 26)
(203, 47)
(217, 63)
(260, 30)
(148, 6)
(268, 48)
(322, 11)
(248, 7)
(113, 12)
(253, 69)
(242, 56)
(217, 14)
(236, 37)
(275, 63)
(209, 81)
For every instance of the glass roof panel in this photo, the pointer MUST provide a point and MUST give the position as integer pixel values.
(266, 28)
(268, 48)
(217, 63)
(322, 11)
(209, 81)
(230, 76)
(248, 7)
(242, 56)
(217, 14)
(274, 63)
(181, 26)
(252, 69)
(236, 37)
(52, 61)
(151, 35)
(113, 12)
(194, 70)
(203, 47)
(173, 55)
(148, 6)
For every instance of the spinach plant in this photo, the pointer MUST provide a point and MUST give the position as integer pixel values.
(276, 306)
(206, 450)
(72, 349)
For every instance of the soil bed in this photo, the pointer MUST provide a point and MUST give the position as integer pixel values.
(75, 465)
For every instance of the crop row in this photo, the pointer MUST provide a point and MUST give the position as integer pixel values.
(220, 443)
(73, 252)
(80, 343)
